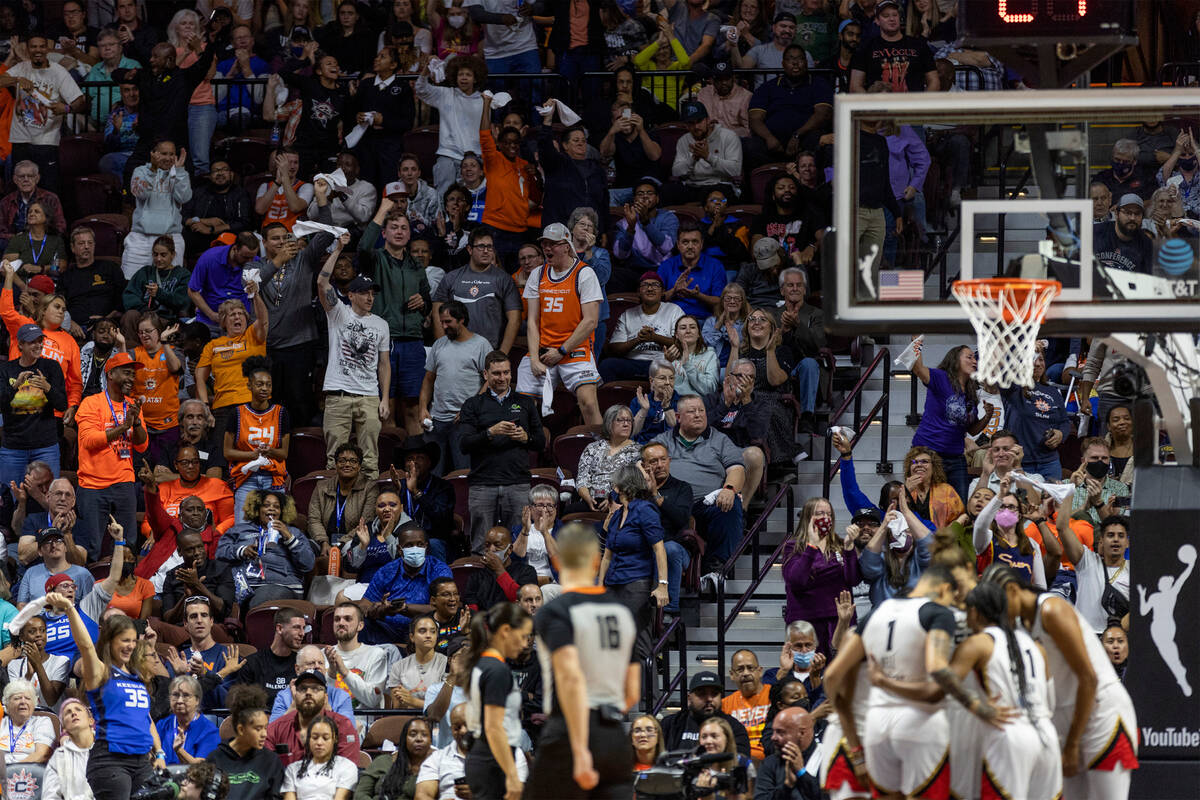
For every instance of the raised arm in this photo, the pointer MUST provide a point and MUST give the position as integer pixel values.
(325, 291)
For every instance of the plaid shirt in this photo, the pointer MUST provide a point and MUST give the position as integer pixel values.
(969, 80)
(13, 211)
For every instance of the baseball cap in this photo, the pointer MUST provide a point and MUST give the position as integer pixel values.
(651, 275)
(882, 4)
(556, 232)
(1131, 199)
(395, 188)
(782, 16)
(362, 283)
(46, 534)
(29, 333)
(766, 253)
(703, 680)
(693, 111)
(122, 360)
(845, 22)
(43, 283)
(312, 675)
(54, 581)
(722, 69)
(866, 513)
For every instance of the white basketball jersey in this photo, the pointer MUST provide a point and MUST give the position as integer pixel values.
(895, 638)
(1065, 682)
(1000, 679)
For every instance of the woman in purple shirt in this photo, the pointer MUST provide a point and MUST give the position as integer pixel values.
(817, 567)
(951, 402)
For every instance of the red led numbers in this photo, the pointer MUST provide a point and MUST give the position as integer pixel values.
(1007, 11)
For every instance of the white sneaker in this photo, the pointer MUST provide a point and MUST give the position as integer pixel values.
(708, 582)
(801, 456)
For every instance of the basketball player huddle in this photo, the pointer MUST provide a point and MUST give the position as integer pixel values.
(1026, 706)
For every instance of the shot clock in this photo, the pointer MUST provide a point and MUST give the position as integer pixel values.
(1060, 20)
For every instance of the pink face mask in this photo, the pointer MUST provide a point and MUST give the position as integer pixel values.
(823, 525)
(1006, 518)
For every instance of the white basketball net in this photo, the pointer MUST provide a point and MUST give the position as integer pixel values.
(1006, 319)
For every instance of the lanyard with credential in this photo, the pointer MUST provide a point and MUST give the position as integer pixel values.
(412, 504)
(37, 256)
(339, 507)
(123, 448)
(14, 738)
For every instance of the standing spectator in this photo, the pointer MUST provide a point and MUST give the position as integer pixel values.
(838, 62)
(950, 411)
(183, 31)
(875, 197)
(341, 501)
(696, 279)
(726, 100)
(107, 442)
(32, 389)
(137, 38)
(187, 736)
(509, 41)
(816, 569)
(631, 150)
(14, 206)
(1039, 420)
(904, 63)
(323, 100)
(37, 123)
(217, 279)
(573, 179)
(160, 287)
(160, 189)
(454, 371)
(59, 346)
(803, 332)
(222, 358)
(256, 437)
(218, 205)
(892, 562)
(459, 105)
(564, 297)
(286, 196)
(789, 113)
(694, 362)
(110, 67)
(158, 382)
(708, 461)
(500, 427)
(642, 333)
(405, 298)
(352, 205)
(1102, 573)
(749, 704)
(348, 38)
(696, 28)
(1095, 473)
(236, 103)
(513, 192)
(707, 157)
(999, 537)
(388, 98)
(474, 181)
(486, 292)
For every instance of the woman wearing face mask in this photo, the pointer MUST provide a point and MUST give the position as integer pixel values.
(999, 536)
(816, 569)
(454, 32)
(1182, 163)
(897, 554)
(269, 554)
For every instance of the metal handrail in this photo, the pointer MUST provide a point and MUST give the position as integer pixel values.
(725, 621)
(862, 422)
(669, 681)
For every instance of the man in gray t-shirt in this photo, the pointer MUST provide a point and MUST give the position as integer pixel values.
(487, 291)
(695, 28)
(453, 373)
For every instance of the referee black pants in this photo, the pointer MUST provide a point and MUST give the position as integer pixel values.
(552, 775)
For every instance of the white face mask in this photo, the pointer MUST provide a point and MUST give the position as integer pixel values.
(457, 21)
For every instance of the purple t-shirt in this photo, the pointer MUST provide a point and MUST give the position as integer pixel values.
(946, 418)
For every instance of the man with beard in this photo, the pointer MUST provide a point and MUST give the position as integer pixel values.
(94, 355)
(210, 662)
(310, 659)
(838, 64)
(310, 693)
(682, 729)
(110, 431)
(789, 219)
(727, 101)
(217, 206)
(1121, 243)
(274, 666)
(358, 668)
(803, 327)
(195, 575)
(707, 157)
(789, 113)
(642, 333)
(453, 374)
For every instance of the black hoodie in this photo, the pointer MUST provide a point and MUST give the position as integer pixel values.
(256, 776)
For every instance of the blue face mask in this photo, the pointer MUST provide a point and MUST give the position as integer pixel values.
(414, 557)
(802, 661)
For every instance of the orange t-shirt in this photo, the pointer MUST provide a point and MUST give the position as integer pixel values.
(213, 491)
(101, 462)
(279, 212)
(752, 713)
(131, 603)
(224, 356)
(1083, 531)
(510, 188)
(160, 388)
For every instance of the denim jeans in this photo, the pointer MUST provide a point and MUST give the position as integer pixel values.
(678, 559)
(14, 462)
(721, 530)
(254, 482)
(955, 466)
(449, 436)
(808, 378)
(202, 124)
(891, 241)
(439, 549)
(93, 507)
(1048, 466)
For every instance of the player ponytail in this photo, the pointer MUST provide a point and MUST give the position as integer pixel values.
(484, 626)
(991, 603)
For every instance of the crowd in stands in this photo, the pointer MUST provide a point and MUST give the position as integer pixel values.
(295, 366)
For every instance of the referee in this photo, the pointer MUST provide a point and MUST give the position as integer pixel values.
(585, 641)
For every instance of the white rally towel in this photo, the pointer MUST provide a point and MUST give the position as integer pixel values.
(357, 132)
(1059, 491)
(547, 395)
(437, 70)
(31, 610)
(499, 99)
(252, 275)
(900, 533)
(336, 179)
(565, 114)
(908, 356)
(252, 466)
(305, 227)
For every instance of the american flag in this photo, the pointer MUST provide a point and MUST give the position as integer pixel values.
(902, 284)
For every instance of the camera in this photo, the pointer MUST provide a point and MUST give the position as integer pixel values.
(161, 786)
(674, 776)
(1130, 382)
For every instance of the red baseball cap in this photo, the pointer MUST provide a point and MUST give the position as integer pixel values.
(43, 283)
(54, 581)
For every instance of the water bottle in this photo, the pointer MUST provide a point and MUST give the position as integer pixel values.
(335, 562)
(276, 135)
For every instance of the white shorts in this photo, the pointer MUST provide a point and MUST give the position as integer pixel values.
(1109, 741)
(908, 751)
(965, 754)
(835, 771)
(1022, 760)
(572, 376)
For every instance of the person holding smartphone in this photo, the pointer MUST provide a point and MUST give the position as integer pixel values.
(1095, 474)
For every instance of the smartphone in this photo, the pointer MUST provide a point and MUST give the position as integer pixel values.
(1121, 502)
(626, 112)
(461, 781)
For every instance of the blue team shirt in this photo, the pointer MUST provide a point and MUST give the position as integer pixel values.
(58, 634)
(200, 738)
(392, 580)
(709, 278)
(121, 707)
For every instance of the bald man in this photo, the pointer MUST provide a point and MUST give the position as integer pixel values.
(782, 776)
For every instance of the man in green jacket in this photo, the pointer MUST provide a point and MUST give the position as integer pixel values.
(403, 301)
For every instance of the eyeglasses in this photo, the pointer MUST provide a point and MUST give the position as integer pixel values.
(546, 506)
(196, 598)
(347, 461)
(757, 319)
(183, 462)
(483, 247)
(917, 461)
(1010, 506)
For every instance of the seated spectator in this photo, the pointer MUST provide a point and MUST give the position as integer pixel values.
(361, 667)
(905, 63)
(218, 205)
(1102, 487)
(654, 412)
(1181, 169)
(270, 555)
(111, 66)
(374, 544)
(66, 771)
(159, 289)
(600, 459)
(397, 776)
(1122, 243)
(39, 247)
(120, 127)
(818, 192)
(708, 461)
(214, 493)
(217, 278)
(999, 536)
(791, 218)
(286, 196)
(32, 389)
(502, 576)
(58, 506)
(708, 156)
(646, 236)
(348, 38)
(647, 739)
(409, 679)
(533, 542)
(196, 576)
(47, 672)
(339, 502)
(728, 324)
(14, 207)
(573, 180)
(452, 616)
(674, 500)
(256, 438)
(311, 658)
(789, 113)
(244, 758)
(682, 729)
(160, 189)
(631, 149)
(350, 207)
(693, 361)
(427, 496)
(642, 333)
(445, 768)
(187, 736)
(27, 746)
(1124, 176)
(695, 279)
(745, 419)
(750, 702)
(400, 590)
(803, 332)
(816, 569)
(727, 101)
(726, 237)
(311, 697)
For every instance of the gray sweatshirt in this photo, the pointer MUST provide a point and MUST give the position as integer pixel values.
(288, 292)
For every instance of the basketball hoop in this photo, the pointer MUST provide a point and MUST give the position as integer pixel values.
(1006, 313)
